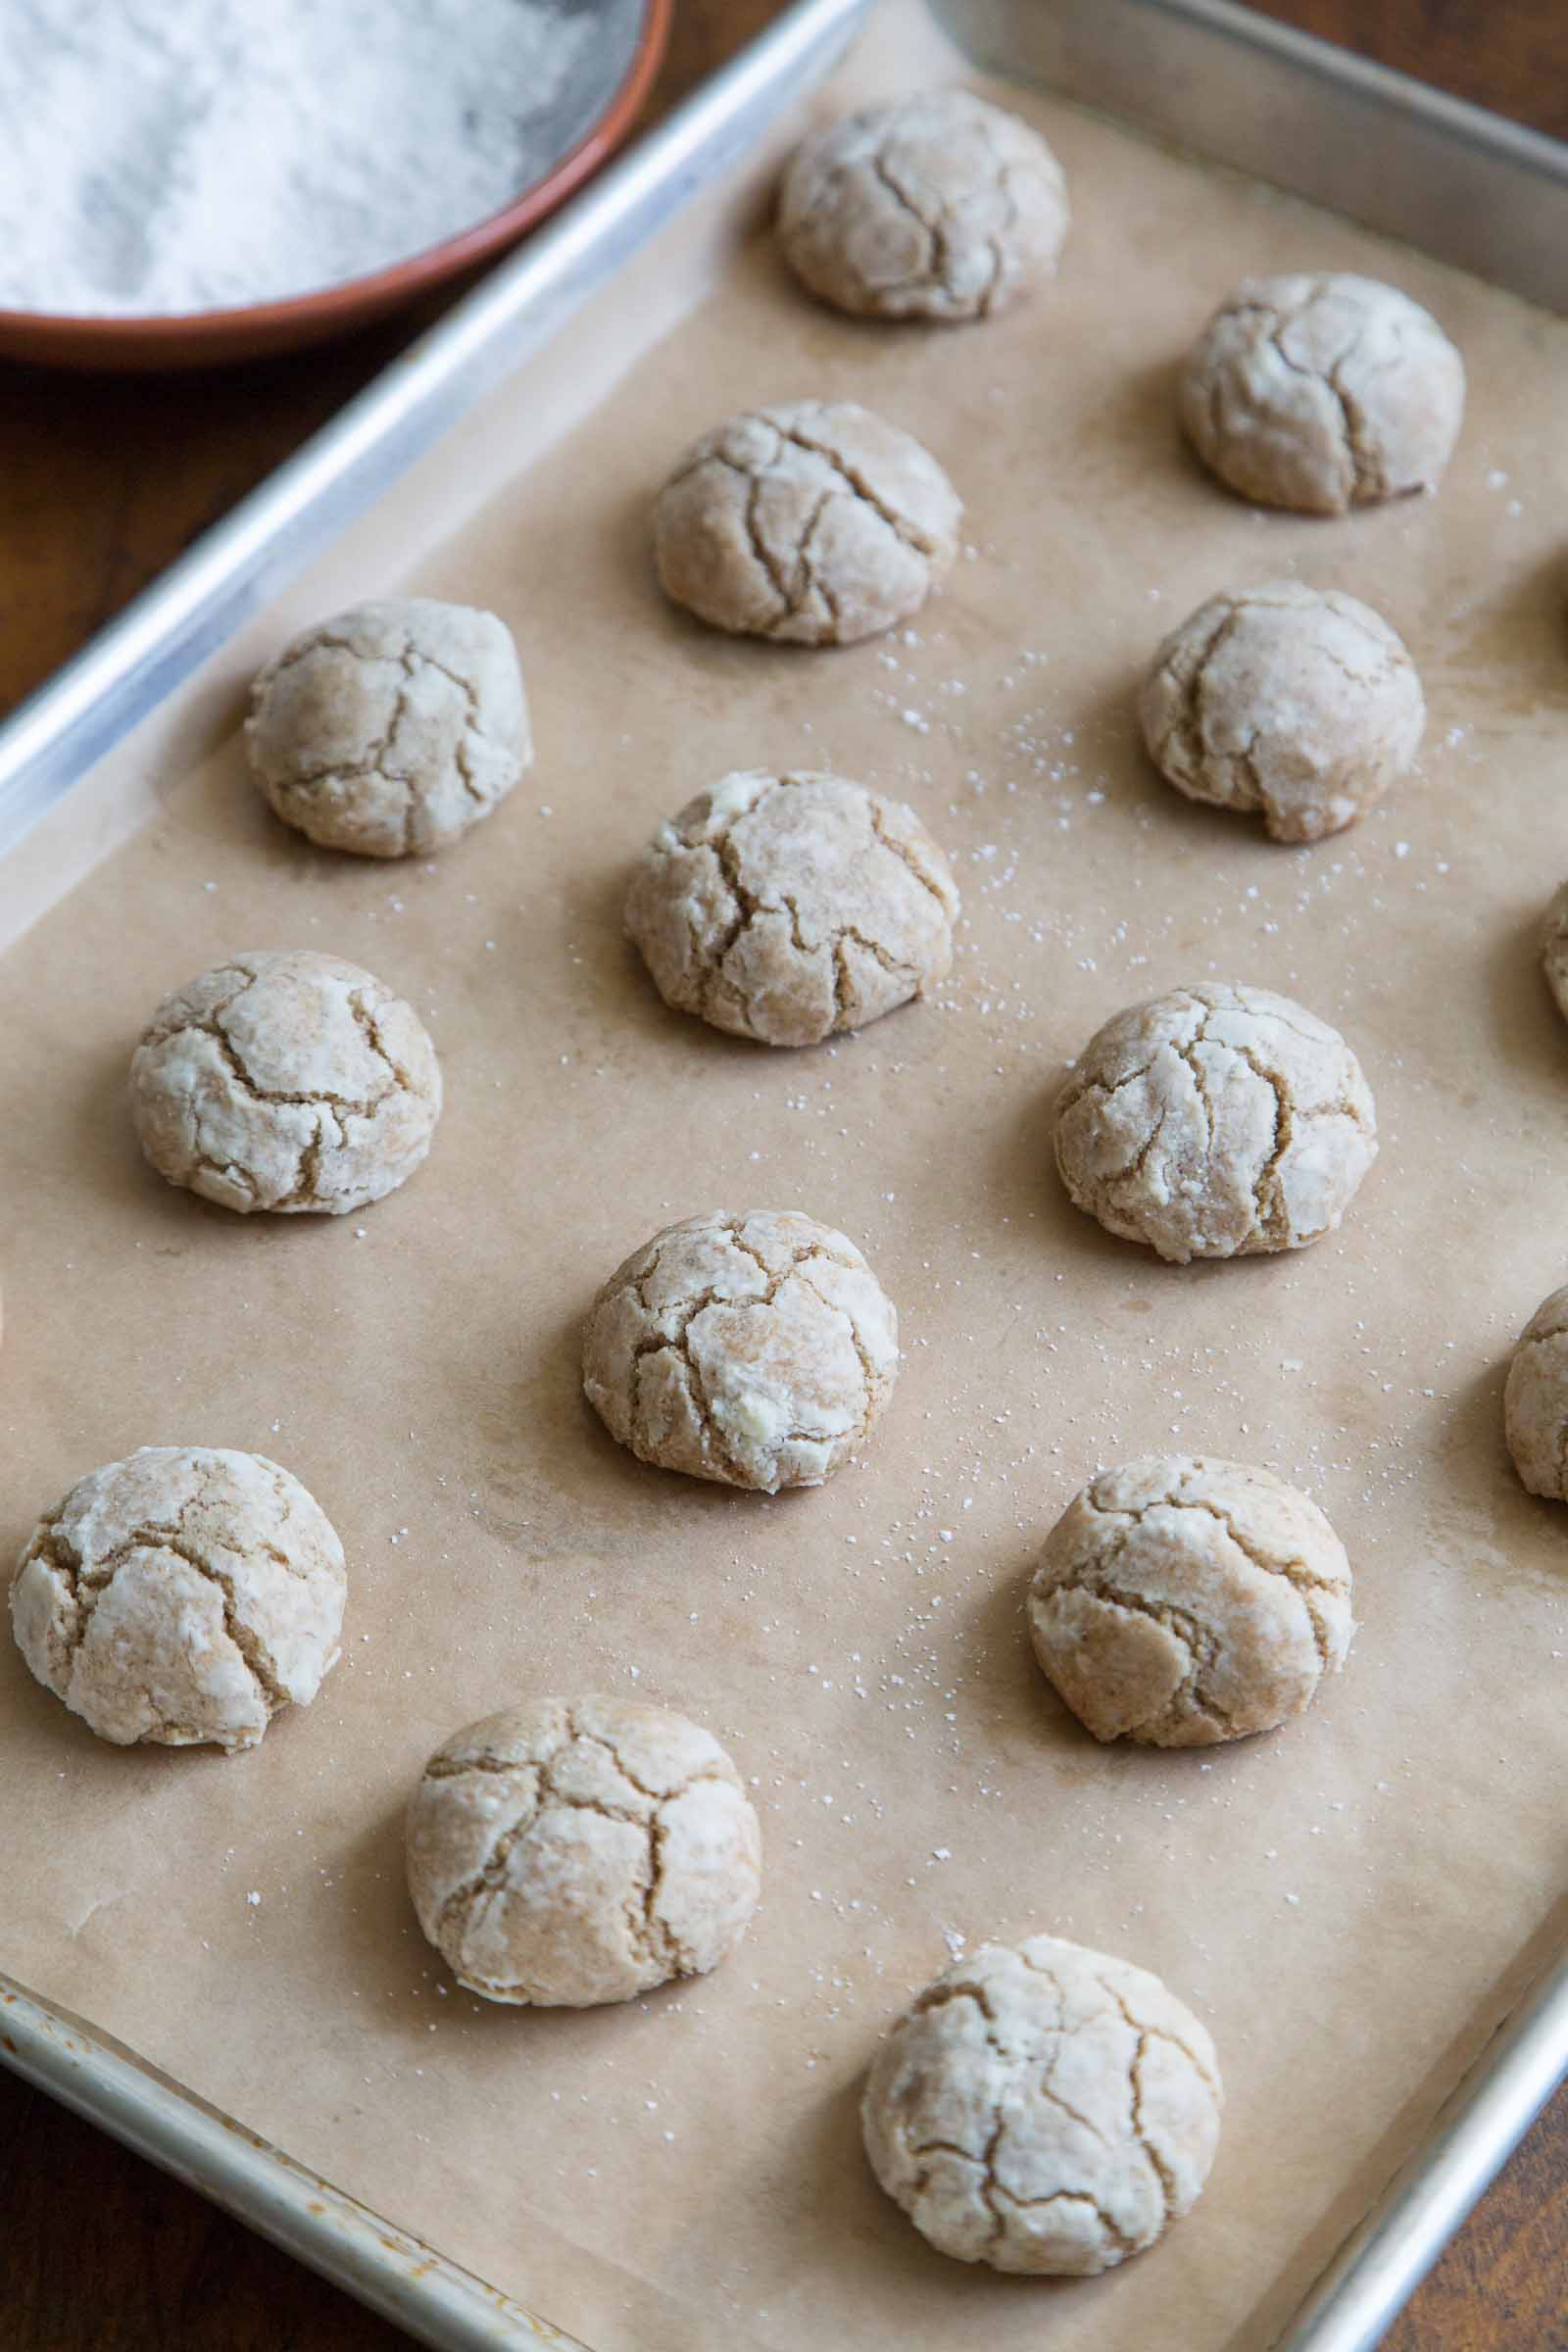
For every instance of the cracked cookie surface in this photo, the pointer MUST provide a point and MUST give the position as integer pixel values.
(1322, 393)
(1182, 1601)
(756, 1350)
(391, 728)
(787, 909)
(1216, 1121)
(1535, 1400)
(1297, 703)
(183, 1595)
(1043, 2108)
(815, 523)
(1555, 950)
(942, 208)
(575, 1851)
(285, 1081)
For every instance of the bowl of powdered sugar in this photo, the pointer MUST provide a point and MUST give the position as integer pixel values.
(185, 182)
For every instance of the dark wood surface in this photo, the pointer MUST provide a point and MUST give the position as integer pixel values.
(100, 485)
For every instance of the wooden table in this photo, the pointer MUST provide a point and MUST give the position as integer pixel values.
(99, 2252)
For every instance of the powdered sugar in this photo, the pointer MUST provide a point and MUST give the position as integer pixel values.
(157, 159)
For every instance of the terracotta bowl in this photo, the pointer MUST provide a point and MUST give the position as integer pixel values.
(200, 338)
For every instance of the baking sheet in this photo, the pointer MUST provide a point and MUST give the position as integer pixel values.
(687, 2172)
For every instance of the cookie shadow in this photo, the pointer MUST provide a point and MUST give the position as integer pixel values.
(101, 1148)
(554, 1483)
(1024, 1181)
(1030, 1726)
(1026, 1184)
(1475, 1435)
(863, 2233)
(713, 662)
(1527, 1028)
(1134, 428)
(1025, 1722)
(620, 983)
(1200, 833)
(410, 1987)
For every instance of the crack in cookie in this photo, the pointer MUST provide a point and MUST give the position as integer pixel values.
(942, 208)
(391, 729)
(1216, 1121)
(573, 1852)
(812, 522)
(757, 1351)
(1182, 1601)
(307, 1087)
(968, 2130)
(791, 908)
(108, 1605)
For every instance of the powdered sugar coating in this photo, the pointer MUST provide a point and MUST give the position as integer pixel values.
(286, 1080)
(391, 728)
(1182, 1601)
(183, 1595)
(575, 1851)
(1536, 1401)
(1323, 392)
(941, 207)
(756, 1350)
(813, 522)
(1216, 1121)
(1043, 2108)
(1297, 703)
(787, 909)
(1555, 950)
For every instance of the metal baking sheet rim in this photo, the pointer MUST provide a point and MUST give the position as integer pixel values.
(1235, 87)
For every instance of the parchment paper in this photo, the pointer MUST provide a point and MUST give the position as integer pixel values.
(1349, 1903)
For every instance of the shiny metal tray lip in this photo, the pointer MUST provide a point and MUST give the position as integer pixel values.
(1235, 87)
(50, 741)
(388, 2269)
(1231, 86)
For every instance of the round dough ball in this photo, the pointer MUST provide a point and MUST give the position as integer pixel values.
(183, 1595)
(942, 207)
(1323, 393)
(754, 1349)
(1181, 1601)
(1043, 2108)
(391, 728)
(581, 1851)
(790, 907)
(814, 524)
(1299, 702)
(1535, 1403)
(286, 1081)
(1555, 950)
(1215, 1122)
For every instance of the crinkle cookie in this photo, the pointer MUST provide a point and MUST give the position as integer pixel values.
(1214, 1122)
(813, 522)
(754, 1349)
(941, 207)
(789, 908)
(581, 1851)
(1535, 1400)
(1555, 950)
(1298, 703)
(391, 728)
(1181, 1601)
(183, 1595)
(1323, 393)
(285, 1081)
(1043, 2108)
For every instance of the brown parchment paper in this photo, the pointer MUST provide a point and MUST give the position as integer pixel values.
(1350, 1903)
